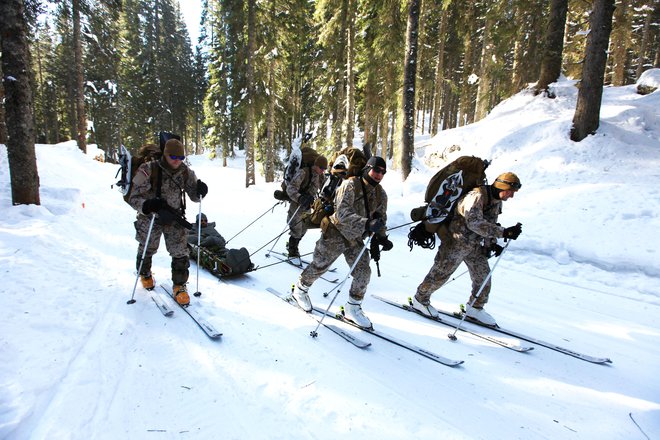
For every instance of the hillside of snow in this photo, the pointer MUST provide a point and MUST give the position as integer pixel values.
(80, 363)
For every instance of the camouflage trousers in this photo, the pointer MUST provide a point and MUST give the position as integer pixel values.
(329, 247)
(294, 218)
(447, 260)
(176, 242)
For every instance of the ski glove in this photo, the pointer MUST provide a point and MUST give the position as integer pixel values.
(385, 243)
(153, 205)
(496, 249)
(305, 200)
(512, 232)
(166, 217)
(202, 189)
(375, 225)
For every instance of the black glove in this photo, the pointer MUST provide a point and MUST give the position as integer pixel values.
(305, 200)
(202, 189)
(375, 225)
(153, 205)
(496, 249)
(385, 243)
(166, 216)
(512, 232)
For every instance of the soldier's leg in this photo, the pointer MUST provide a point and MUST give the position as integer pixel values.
(326, 251)
(362, 272)
(445, 263)
(177, 246)
(477, 264)
(141, 232)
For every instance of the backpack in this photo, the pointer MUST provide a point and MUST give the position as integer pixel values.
(444, 190)
(298, 159)
(347, 162)
(357, 160)
(129, 164)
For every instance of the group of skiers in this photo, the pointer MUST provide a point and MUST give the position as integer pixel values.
(357, 218)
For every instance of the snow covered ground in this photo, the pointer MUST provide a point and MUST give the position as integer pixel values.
(79, 363)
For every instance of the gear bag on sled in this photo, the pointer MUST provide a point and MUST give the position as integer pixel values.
(443, 192)
(225, 263)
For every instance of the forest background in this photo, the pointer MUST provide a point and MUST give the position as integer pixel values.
(264, 73)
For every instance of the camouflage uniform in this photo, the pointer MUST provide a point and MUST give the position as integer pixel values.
(472, 230)
(343, 233)
(173, 182)
(305, 181)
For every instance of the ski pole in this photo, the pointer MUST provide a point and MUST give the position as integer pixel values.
(144, 254)
(285, 229)
(253, 222)
(452, 336)
(314, 333)
(199, 240)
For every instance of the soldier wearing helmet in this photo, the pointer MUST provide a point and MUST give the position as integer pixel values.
(473, 234)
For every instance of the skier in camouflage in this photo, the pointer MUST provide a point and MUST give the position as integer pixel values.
(302, 191)
(355, 217)
(473, 234)
(159, 188)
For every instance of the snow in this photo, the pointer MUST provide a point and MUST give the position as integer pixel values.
(79, 363)
(650, 78)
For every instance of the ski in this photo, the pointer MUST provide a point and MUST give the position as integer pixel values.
(347, 336)
(164, 308)
(281, 258)
(304, 262)
(551, 346)
(427, 354)
(206, 326)
(408, 307)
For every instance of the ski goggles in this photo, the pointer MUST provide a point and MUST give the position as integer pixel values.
(515, 186)
(379, 170)
(175, 157)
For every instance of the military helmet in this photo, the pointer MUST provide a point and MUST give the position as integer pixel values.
(507, 182)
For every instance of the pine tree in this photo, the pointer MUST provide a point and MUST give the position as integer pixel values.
(18, 104)
(408, 107)
(587, 111)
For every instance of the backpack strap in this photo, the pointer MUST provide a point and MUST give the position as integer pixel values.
(159, 184)
(364, 196)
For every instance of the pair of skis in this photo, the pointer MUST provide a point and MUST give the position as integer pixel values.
(158, 297)
(318, 312)
(515, 347)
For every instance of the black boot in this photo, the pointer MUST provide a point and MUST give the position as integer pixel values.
(292, 247)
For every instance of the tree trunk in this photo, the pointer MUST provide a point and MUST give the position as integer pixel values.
(439, 73)
(409, 75)
(250, 122)
(466, 116)
(350, 75)
(645, 39)
(18, 104)
(269, 163)
(339, 111)
(587, 111)
(484, 87)
(620, 44)
(3, 127)
(81, 116)
(554, 45)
